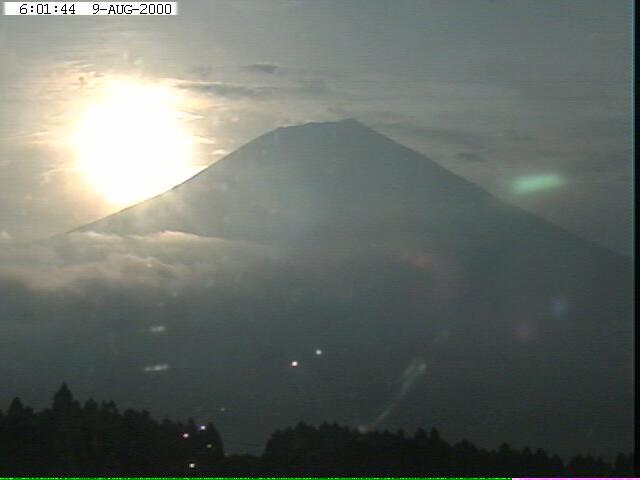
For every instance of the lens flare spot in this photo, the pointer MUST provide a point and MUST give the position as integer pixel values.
(537, 183)
(160, 367)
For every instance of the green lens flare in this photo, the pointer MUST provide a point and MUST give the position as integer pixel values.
(536, 183)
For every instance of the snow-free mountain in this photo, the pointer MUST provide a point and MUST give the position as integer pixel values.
(408, 296)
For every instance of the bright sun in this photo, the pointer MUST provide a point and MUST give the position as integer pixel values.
(132, 143)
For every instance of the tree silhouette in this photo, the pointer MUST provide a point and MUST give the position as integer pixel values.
(96, 439)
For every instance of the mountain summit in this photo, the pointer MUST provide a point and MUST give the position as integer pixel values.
(302, 178)
(394, 294)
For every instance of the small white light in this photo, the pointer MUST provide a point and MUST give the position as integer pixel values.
(209, 445)
(294, 364)
(185, 435)
(203, 427)
(318, 351)
(192, 465)
(160, 367)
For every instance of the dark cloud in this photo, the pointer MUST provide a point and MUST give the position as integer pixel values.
(305, 88)
(226, 90)
(267, 68)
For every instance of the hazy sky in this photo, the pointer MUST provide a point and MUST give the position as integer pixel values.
(492, 90)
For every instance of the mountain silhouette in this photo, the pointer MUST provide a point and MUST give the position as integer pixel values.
(405, 295)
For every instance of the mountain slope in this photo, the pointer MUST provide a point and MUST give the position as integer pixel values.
(430, 301)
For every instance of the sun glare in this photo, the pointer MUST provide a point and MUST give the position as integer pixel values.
(132, 142)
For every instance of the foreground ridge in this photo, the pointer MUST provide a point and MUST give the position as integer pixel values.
(98, 439)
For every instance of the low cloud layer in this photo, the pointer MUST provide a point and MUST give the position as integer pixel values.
(167, 261)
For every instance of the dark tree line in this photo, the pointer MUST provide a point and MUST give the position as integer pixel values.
(98, 439)
(70, 439)
(331, 450)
